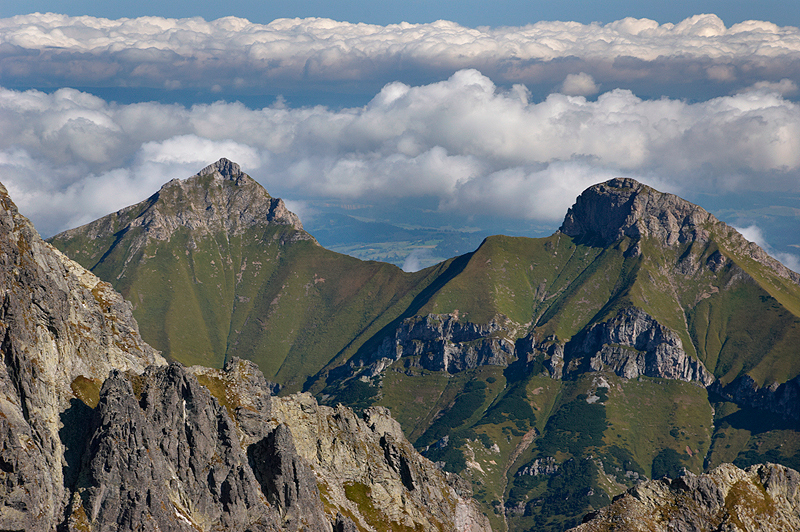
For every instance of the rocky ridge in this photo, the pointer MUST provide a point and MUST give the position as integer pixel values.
(98, 433)
(763, 497)
(63, 330)
(634, 344)
(365, 467)
(443, 343)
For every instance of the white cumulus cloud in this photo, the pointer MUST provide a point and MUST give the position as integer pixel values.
(68, 157)
(232, 53)
(754, 234)
(581, 84)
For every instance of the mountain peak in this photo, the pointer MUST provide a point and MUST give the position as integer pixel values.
(227, 168)
(230, 200)
(625, 207)
(220, 198)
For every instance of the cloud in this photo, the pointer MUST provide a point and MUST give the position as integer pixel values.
(581, 84)
(417, 259)
(463, 144)
(784, 87)
(233, 54)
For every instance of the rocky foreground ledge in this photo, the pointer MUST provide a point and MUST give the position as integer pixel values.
(163, 450)
(763, 497)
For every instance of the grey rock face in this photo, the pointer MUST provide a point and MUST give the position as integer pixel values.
(540, 466)
(288, 481)
(633, 343)
(123, 485)
(624, 207)
(248, 394)
(444, 343)
(163, 454)
(763, 497)
(344, 524)
(58, 323)
(364, 461)
(302, 453)
(169, 457)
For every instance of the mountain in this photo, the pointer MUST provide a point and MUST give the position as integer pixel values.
(643, 337)
(98, 432)
(216, 268)
(764, 497)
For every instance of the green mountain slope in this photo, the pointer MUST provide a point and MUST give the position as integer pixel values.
(646, 337)
(643, 337)
(217, 268)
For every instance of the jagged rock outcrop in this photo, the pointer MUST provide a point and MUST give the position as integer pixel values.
(540, 466)
(165, 457)
(632, 344)
(379, 477)
(365, 469)
(444, 343)
(764, 497)
(163, 454)
(62, 331)
(288, 481)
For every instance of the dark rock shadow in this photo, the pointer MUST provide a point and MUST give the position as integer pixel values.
(74, 435)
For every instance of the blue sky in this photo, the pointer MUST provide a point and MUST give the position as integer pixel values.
(496, 127)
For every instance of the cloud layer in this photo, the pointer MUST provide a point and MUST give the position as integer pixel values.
(232, 54)
(69, 157)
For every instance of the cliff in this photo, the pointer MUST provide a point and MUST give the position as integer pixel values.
(62, 331)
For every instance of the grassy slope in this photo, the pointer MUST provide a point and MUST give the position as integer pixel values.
(291, 308)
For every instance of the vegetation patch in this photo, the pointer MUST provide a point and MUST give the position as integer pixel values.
(360, 494)
(623, 459)
(667, 463)
(514, 407)
(568, 495)
(358, 394)
(574, 427)
(87, 390)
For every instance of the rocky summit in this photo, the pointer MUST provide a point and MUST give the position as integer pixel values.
(99, 433)
(644, 338)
